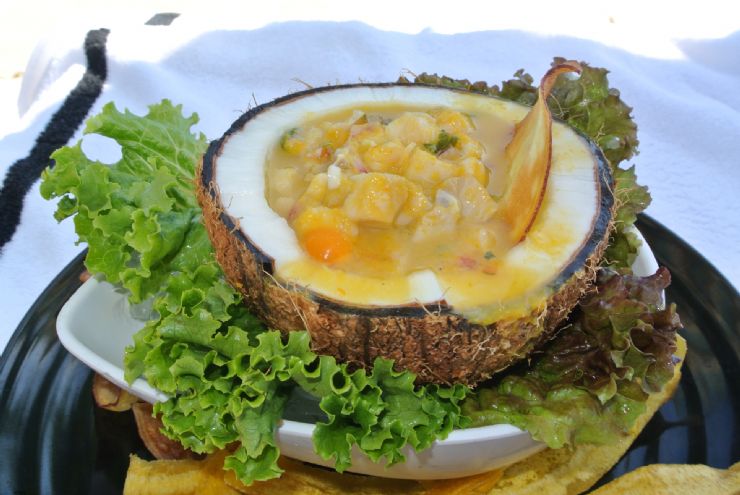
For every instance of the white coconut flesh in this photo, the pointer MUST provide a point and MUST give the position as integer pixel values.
(525, 274)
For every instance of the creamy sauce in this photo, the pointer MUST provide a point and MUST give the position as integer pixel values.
(386, 191)
(495, 133)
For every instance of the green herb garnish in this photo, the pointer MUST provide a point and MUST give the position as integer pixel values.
(444, 142)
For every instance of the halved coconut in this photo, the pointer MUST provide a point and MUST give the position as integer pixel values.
(454, 326)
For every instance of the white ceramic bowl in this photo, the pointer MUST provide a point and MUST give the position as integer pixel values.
(95, 326)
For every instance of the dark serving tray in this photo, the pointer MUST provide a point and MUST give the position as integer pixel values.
(53, 439)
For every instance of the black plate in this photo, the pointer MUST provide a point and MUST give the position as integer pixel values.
(53, 440)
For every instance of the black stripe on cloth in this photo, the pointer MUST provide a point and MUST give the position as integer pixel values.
(162, 19)
(60, 129)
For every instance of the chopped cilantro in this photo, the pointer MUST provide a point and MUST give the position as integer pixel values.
(288, 134)
(444, 142)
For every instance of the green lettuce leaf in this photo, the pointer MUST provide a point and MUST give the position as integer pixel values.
(138, 216)
(591, 382)
(381, 413)
(220, 400)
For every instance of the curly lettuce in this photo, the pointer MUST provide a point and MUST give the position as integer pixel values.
(138, 217)
(591, 382)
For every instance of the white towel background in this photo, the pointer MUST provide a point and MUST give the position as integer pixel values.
(687, 107)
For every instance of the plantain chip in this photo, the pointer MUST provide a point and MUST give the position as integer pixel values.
(110, 396)
(676, 479)
(182, 477)
(305, 479)
(557, 472)
(480, 484)
(530, 155)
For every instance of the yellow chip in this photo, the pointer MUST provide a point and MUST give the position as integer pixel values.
(304, 479)
(182, 477)
(676, 479)
(111, 397)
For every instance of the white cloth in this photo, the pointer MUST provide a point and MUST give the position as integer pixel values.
(688, 111)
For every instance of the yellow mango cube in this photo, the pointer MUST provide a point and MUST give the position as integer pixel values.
(427, 170)
(454, 122)
(475, 168)
(386, 157)
(376, 198)
(413, 127)
(337, 135)
(469, 147)
(415, 206)
(475, 203)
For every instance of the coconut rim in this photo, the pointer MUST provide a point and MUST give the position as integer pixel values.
(601, 222)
